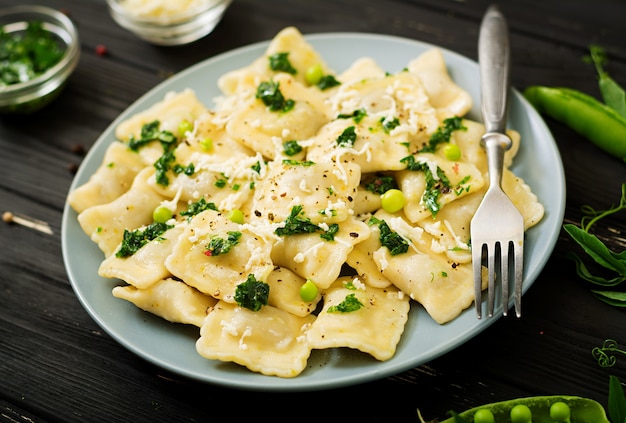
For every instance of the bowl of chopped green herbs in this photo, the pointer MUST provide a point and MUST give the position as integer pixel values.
(39, 50)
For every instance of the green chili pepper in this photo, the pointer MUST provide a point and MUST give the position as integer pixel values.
(581, 410)
(596, 121)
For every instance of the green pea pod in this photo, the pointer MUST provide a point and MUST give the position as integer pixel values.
(589, 117)
(582, 410)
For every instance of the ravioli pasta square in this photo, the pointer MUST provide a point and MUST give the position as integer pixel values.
(270, 341)
(172, 300)
(285, 292)
(307, 208)
(218, 272)
(147, 265)
(325, 190)
(375, 327)
(106, 223)
(318, 259)
(113, 178)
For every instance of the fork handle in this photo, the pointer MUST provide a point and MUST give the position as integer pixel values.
(494, 60)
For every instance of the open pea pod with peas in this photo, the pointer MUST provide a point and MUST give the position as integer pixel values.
(540, 409)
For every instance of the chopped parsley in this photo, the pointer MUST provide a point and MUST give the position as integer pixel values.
(218, 246)
(291, 148)
(460, 188)
(269, 93)
(162, 165)
(357, 115)
(329, 235)
(151, 132)
(188, 170)
(347, 137)
(198, 207)
(279, 62)
(389, 124)
(221, 183)
(434, 186)
(165, 163)
(380, 184)
(395, 243)
(443, 133)
(252, 294)
(298, 162)
(349, 304)
(326, 82)
(297, 224)
(133, 240)
(349, 285)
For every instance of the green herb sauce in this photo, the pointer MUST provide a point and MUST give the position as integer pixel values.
(133, 240)
(279, 62)
(218, 246)
(269, 93)
(443, 133)
(28, 54)
(252, 294)
(349, 304)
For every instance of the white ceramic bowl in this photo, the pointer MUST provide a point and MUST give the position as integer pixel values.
(33, 94)
(166, 22)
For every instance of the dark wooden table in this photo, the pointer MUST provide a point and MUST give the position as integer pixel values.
(57, 365)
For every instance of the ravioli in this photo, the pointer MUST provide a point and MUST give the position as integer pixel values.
(219, 274)
(106, 223)
(374, 328)
(270, 341)
(113, 178)
(169, 299)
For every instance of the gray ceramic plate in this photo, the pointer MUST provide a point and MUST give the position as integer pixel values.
(172, 346)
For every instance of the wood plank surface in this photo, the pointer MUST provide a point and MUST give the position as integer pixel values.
(57, 365)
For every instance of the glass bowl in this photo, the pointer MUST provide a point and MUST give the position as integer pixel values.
(31, 95)
(168, 23)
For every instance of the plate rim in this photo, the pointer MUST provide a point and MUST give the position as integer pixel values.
(260, 382)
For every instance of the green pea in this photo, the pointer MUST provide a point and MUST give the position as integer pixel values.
(207, 144)
(236, 216)
(392, 200)
(484, 415)
(314, 74)
(520, 413)
(161, 214)
(452, 152)
(308, 291)
(592, 119)
(560, 412)
(184, 127)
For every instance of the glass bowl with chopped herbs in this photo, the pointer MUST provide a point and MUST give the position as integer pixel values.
(168, 22)
(39, 49)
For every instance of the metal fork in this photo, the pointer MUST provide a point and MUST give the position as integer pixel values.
(497, 228)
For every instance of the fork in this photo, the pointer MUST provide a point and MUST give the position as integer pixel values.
(497, 228)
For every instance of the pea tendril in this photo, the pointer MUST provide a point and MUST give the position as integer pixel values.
(592, 215)
(604, 355)
(614, 262)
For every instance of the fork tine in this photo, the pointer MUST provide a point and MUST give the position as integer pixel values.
(504, 264)
(518, 248)
(491, 280)
(477, 254)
